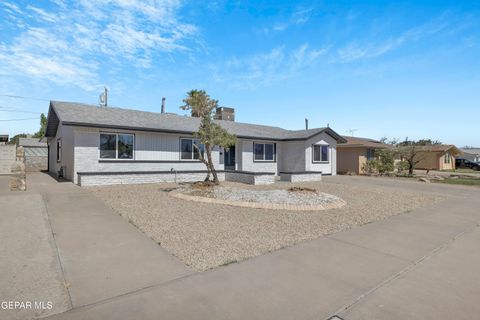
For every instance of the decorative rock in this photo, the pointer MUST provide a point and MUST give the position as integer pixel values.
(18, 182)
(424, 180)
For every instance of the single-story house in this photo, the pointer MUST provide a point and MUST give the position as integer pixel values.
(354, 154)
(471, 154)
(92, 145)
(3, 138)
(36, 153)
(437, 157)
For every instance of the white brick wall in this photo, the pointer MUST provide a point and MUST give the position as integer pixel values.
(301, 177)
(139, 178)
(250, 178)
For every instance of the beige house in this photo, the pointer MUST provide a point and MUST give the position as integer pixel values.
(437, 157)
(352, 155)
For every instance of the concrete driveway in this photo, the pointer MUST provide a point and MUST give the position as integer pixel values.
(419, 265)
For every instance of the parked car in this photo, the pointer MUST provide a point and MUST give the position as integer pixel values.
(464, 163)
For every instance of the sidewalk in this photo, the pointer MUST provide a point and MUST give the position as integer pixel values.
(408, 257)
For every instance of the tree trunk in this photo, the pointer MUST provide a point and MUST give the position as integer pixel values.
(410, 168)
(210, 166)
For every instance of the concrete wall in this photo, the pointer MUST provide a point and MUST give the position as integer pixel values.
(153, 152)
(7, 158)
(329, 167)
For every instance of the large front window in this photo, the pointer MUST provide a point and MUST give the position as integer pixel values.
(320, 153)
(116, 146)
(265, 151)
(189, 149)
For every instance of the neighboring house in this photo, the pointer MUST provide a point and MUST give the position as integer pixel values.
(354, 154)
(437, 157)
(3, 138)
(472, 154)
(36, 153)
(92, 145)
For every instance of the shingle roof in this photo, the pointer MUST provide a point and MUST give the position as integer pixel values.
(80, 114)
(440, 148)
(362, 142)
(471, 151)
(31, 142)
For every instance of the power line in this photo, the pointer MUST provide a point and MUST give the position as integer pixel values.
(22, 97)
(7, 109)
(19, 119)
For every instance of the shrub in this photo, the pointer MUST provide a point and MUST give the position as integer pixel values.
(386, 159)
(402, 166)
(371, 166)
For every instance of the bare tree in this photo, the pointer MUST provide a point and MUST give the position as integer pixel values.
(209, 133)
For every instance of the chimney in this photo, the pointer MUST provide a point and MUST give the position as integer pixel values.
(306, 124)
(224, 113)
(163, 105)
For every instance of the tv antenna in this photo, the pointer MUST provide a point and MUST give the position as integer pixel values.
(103, 98)
(352, 131)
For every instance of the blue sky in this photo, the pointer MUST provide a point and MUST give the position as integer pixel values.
(392, 69)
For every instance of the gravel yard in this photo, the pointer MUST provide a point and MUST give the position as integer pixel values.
(207, 235)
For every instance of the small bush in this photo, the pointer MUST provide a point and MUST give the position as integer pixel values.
(402, 166)
(370, 167)
(386, 159)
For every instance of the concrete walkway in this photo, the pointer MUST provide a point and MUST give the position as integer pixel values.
(419, 265)
(101, 255)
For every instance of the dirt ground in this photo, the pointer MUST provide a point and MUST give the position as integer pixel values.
(210, 235)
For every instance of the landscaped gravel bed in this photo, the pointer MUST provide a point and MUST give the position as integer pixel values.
(274, 196)
(207, 235)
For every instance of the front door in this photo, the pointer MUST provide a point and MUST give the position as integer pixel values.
(230, 158)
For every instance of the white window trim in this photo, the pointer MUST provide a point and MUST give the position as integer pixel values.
(274, 152)
(116, 146)
(328, 153)
(180, 150)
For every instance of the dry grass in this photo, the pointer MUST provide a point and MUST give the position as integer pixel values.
(206, 235)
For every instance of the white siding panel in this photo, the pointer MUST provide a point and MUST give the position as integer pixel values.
(325, 168)
(159, 148)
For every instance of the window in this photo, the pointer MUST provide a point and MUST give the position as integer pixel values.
(188, 150)
(446, 158)
(370, 154)
(265, 152)
(116, 146)
(59, 150)
(320, 153)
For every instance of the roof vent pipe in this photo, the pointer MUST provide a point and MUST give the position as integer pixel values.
(306, 124)
(163, 105)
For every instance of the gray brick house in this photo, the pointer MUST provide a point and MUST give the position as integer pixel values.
(92, 145)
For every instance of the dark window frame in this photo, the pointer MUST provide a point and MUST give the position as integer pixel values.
(274, 146)
(59, 149)
(320, 146)
(116, 134)
(370, 154)
(192, 158)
